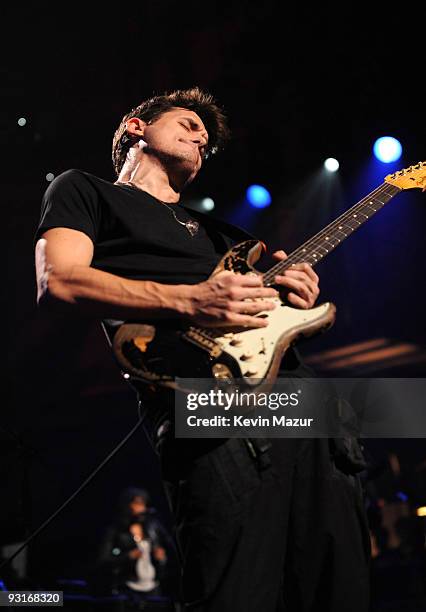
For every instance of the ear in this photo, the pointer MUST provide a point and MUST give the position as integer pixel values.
(135, 127)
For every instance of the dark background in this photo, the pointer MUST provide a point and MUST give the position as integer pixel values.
(298, 86)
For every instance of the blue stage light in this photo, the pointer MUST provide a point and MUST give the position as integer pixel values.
(387, 149)
(258, 196)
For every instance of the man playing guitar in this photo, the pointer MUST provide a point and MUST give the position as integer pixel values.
(283, 526)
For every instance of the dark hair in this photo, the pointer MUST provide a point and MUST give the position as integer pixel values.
(193, 99)
(124, 516)
(128, 495)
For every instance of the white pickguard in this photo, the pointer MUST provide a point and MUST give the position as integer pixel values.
(253, 349)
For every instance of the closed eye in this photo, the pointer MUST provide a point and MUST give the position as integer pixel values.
(191, 127)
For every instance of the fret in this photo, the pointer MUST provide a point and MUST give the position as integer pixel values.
(351, 228)
(370, 207)
(340, 232)
(315, 247)
(318, 255)
(320, 246)
(355, 225)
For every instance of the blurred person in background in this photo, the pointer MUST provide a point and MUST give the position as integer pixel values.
(133, 553)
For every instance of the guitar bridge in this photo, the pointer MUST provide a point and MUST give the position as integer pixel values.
(203, 340)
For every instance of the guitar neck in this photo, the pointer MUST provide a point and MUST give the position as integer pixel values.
(323, 243)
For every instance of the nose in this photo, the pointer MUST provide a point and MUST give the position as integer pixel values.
(200, 138)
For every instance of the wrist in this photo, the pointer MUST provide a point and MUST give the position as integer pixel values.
(179, 299)
(185, 300)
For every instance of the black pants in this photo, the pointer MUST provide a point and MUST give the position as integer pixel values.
(286, 534)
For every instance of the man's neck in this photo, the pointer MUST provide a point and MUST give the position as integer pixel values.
(152, 179)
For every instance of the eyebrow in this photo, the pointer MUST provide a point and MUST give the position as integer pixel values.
(195, 125)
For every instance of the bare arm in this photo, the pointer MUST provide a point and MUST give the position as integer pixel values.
(66, 282)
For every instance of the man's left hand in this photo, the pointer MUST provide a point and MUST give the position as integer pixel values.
(300, 281)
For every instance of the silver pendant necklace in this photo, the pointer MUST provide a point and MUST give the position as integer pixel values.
(191, 225)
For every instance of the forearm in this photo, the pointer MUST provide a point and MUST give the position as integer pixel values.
(88, 291)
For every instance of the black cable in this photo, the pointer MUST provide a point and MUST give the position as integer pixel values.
(79, 489)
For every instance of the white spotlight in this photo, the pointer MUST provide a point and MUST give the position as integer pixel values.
(22, 121)
(207, 204)
(331, 164)
(50, 176)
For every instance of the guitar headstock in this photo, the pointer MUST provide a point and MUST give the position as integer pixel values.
(413, 177)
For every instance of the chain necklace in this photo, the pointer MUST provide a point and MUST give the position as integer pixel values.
(191, 225)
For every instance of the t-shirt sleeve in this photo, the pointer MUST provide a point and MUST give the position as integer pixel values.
(70, 201)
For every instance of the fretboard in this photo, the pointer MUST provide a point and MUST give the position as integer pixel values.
(323, 243)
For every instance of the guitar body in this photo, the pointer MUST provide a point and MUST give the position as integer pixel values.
(156, 353)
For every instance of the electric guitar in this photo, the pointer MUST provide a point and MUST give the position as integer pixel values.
(156, 352)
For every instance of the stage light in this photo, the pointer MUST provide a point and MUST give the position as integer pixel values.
(50, 176)
(331, 164)
(22, 121)
(207, 204)
(258, 196)
(402, 496)
(421, 511)
(387, 149)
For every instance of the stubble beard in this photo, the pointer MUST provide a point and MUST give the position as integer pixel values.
(177, 164)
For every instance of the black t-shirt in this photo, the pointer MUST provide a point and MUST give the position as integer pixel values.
(135, 236)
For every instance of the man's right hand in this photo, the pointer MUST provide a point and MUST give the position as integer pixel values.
(231, 300)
